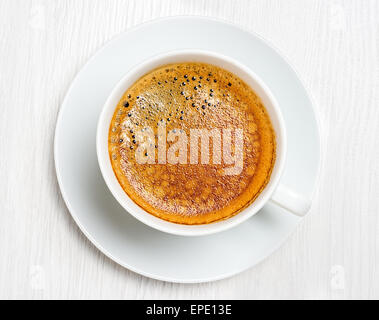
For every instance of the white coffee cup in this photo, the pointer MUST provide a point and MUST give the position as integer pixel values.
(274, 191)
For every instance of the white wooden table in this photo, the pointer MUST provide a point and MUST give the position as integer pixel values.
(334, 45)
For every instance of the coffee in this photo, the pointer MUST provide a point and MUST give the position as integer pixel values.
(191, 143)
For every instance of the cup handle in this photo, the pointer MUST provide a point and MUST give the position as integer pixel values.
(291, 201)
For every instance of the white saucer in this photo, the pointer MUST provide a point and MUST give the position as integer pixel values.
(116, 233)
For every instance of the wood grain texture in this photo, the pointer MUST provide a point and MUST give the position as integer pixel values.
(334, 45)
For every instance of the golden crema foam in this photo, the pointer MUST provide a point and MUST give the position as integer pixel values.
(177, 100)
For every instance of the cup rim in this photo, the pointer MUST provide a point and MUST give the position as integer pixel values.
(132, 75)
